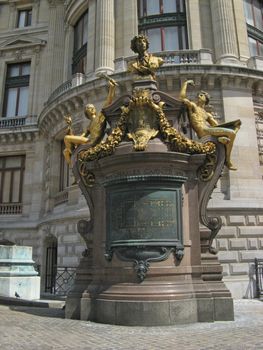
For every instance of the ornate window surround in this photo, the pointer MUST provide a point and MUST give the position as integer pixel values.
(20, 48)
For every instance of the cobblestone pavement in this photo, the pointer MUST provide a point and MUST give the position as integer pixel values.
(33, 328)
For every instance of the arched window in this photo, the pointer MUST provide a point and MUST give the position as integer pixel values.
(164, 22)
(254, 19)
(80, 45)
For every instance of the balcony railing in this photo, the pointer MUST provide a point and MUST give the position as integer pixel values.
(59, 91)
(203, 56)
(6, 123)
(11, 208)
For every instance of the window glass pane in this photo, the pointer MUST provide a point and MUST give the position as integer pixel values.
(13, 162)
(6, 187)
(153, 7)
(23, 101)
(141, 12)
(171, 38)
(16, 186)
(183, 31)
(29, 17)
(154, 36)
(169, 6)
(21, 19)
(13, 70)
(248, 12)
(26, 69)
(252, 46)
(85, 29)
(11, 102)
(258, 15)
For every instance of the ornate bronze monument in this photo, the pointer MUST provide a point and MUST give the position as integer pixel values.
(147, 184)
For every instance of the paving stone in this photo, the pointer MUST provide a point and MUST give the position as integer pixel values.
(24, 328)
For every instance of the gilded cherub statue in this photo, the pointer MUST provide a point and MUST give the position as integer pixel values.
(146, 64)
(96, 128)
(205, 124)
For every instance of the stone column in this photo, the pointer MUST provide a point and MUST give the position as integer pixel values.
(224, 31)
(194, 24)
(104, 54)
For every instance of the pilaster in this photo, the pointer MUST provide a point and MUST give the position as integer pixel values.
(126, 26)
(55, 46)
(194, 24)
(241, 30)
(246, 182)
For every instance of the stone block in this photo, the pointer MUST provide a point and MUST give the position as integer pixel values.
(224, 309)
(239, 269)
(251, 255)
(250, 231)
(251, 220)
(260, 243)
(225, 269)
(238, 243)
(222, 244)
(61, 250)
(228, 256)
(260, 219)
(70, 261)
(236, 220)
(252, 243)
(71, 238)
(227, 232)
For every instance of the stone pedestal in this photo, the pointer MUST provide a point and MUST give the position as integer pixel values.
(18, 277)
(147, 266)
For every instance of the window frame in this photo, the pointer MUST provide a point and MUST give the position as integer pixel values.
(18, 81)
(28, 15)
(4, 170)
(80, 52)
(64, 181)
(164, 20)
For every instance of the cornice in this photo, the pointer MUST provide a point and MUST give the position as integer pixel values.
(207, 77)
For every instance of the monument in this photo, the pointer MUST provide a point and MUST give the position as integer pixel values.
(149, 258)
(18, 277)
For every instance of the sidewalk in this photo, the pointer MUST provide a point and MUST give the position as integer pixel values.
(33, 328)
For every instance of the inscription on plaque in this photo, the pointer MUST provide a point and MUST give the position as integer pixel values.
(144, 214)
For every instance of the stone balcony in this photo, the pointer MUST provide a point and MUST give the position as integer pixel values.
(71, 96)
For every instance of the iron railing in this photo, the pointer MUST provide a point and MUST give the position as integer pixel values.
(64, 280)
(259, 277)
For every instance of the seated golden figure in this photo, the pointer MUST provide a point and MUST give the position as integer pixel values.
(96, 128)
(205, 124)
(146, 64)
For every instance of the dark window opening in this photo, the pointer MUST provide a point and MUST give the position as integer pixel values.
(24, 18)
(16, 90)
(80, 45)
(11, 179)
(164, 23)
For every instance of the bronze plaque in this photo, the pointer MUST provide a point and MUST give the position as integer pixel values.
(144, 214)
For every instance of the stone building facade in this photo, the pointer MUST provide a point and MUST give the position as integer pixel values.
(51, 52)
